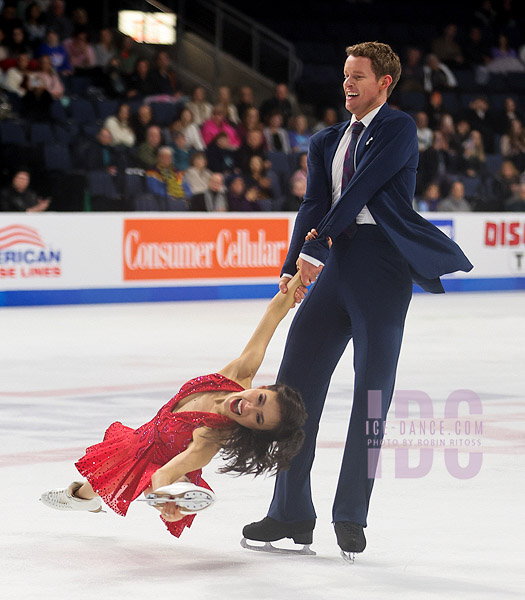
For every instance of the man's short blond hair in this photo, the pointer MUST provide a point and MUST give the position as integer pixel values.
(384, 60)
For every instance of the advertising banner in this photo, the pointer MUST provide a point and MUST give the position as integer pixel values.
(130, 257)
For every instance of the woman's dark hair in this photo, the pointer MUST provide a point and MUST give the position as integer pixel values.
(256, 451)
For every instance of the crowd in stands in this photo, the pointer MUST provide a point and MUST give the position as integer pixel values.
(92, 121)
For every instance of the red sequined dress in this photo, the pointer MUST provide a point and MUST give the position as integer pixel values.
(120, 468)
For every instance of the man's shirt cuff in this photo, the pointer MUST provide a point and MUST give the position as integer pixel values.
(313, 261)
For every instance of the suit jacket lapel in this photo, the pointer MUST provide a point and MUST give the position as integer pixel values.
(368, 137)
(333, 137)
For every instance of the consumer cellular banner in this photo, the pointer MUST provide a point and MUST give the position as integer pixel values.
(203, 248)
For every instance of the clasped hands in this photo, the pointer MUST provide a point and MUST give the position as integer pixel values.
(307, 270)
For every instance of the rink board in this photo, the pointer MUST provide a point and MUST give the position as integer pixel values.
(73, 258)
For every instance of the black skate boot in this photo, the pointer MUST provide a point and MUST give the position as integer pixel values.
(350, 538)
(270, 530)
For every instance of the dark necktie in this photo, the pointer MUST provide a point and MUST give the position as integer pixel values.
(348, 165)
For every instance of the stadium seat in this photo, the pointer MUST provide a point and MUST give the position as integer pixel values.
(82, 111)
(134, 185)
(57, 157)
(58, 112)
(175, 204)
(493, 163)
(105, 107)
(41, 133)
(147, 202)
(13, 132)
(164, 113)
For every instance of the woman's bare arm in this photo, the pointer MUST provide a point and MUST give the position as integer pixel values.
(197, 455)
(246, 366)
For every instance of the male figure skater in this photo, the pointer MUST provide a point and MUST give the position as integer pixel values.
(361, 181)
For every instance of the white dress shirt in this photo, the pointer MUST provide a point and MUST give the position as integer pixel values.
(364, 217)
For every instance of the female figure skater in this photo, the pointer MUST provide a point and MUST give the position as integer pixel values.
(257, 430)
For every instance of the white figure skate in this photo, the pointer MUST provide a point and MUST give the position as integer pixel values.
(189, 497)
(64, 499)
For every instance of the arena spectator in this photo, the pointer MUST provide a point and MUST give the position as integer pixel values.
(301, 173)
(18, 197)
(481, 119)
(198, 175)
(164, 179)
(16, 78)
(446, 47)
(513, 144)
(473, 156)
(181, 155)
(34, 26)
(185, 125)
(18, 44)
(293, 200)
(164, 79)
(56, 51)
(246, 101)
(146, 153)
(276, 136)
(120, 128)
(57, 20)
(280, 103)
(476, 50)
(80, 51)
(250, 120)
(125, 59)
(431, 198)
(224, 99)
(436, 165)
(412, 74)
(213, 199)
(252, 146)
(509, 114)
(424, 133)
(435, 109)
(52, 82)
(448, 131)
(36, 102)
(9, 19)
(100, 153)
(219, 154)
(299, 136)
(328, 119)
(105, 49)
(217, 124)
(456, 201)
(505, 184)
(200, 108)
(4, 50)
(241, 199)
(504, 58)
(259, 178)
(140, 82)
(140, 122)
(437, 76)
(516, 203)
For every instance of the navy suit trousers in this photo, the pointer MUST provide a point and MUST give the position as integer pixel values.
(362, 293)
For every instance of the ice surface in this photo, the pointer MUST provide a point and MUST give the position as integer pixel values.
(67, 372)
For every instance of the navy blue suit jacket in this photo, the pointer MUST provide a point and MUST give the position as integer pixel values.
(385, 177)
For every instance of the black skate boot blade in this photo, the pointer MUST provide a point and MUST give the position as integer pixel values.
(349, 557)
(269, 548)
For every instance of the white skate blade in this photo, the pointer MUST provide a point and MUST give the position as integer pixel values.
(190, 498)
(349, 557)
(270, 549)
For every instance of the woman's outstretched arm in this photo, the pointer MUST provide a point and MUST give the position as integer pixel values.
(244, 368)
